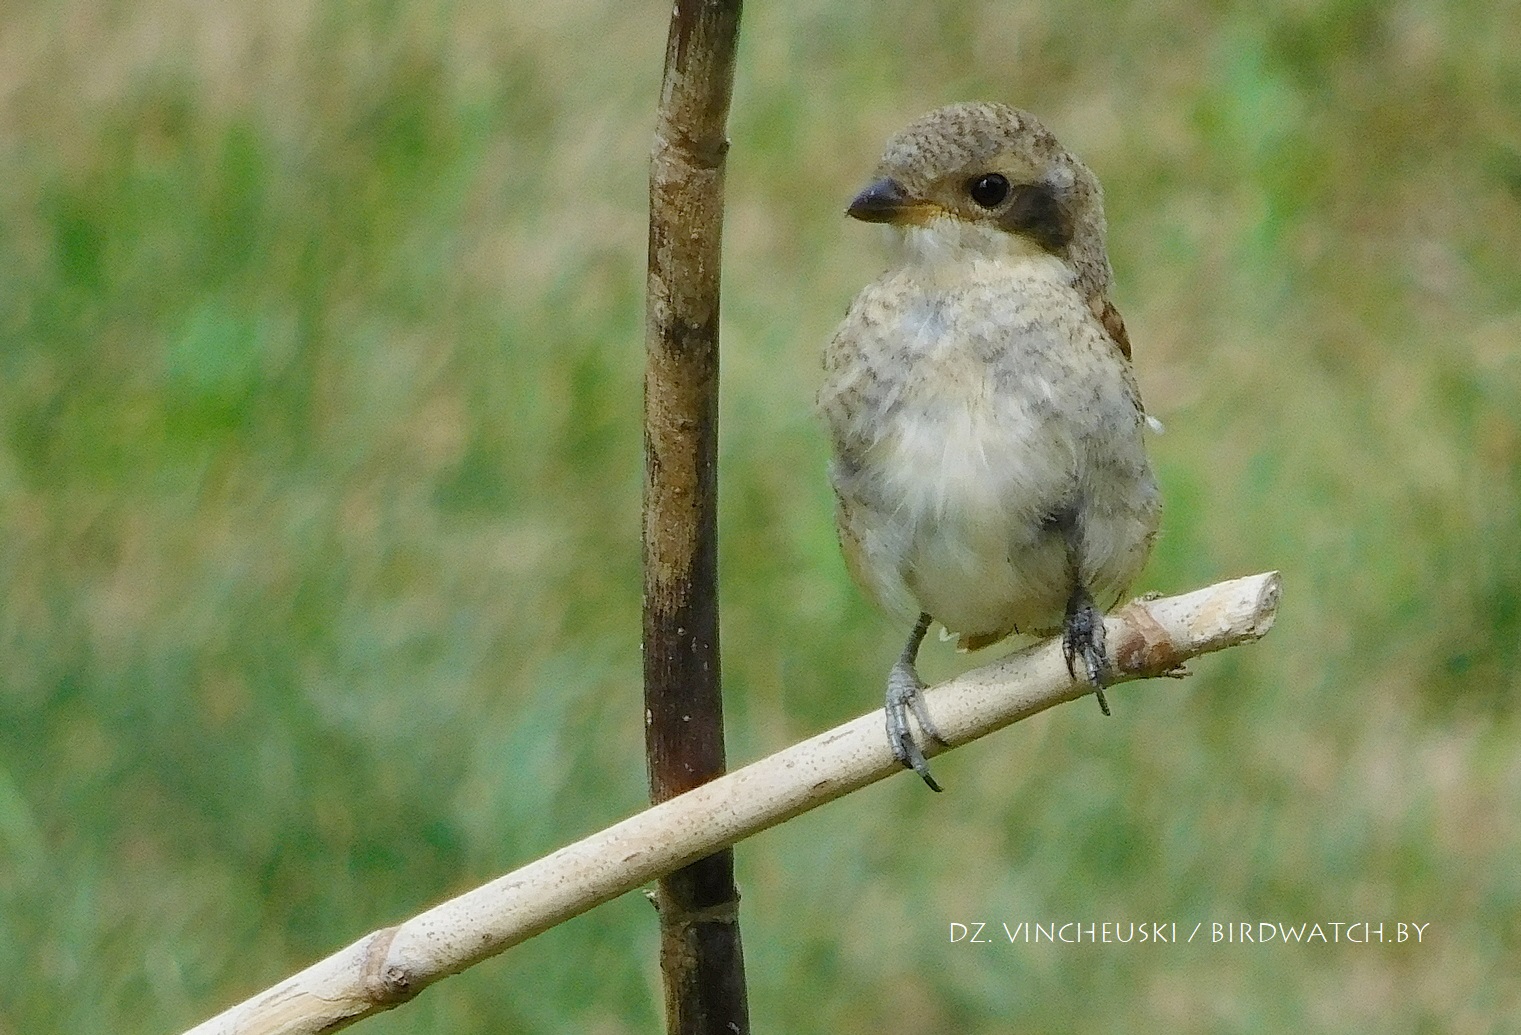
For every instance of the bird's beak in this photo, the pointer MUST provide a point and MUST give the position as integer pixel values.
(886, 201)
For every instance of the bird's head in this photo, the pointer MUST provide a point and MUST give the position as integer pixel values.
(989, 179)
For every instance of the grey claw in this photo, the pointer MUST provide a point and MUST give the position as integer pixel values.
(1083, 637)
(905, 694)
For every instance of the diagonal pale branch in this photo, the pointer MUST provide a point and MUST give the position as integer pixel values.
(1146, 638)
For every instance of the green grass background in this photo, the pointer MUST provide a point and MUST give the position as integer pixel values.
(320, 355)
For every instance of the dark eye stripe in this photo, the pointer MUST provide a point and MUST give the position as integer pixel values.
(1038, 213)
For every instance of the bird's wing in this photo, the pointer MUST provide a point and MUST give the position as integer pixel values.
(1114, 324)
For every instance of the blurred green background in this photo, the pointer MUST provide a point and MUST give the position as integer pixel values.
(320, 355)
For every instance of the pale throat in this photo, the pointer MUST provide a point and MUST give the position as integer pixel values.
(944, 246)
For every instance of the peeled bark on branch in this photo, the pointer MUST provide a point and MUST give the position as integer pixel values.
(1146, 638)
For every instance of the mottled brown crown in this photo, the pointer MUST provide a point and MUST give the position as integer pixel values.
(959, 135)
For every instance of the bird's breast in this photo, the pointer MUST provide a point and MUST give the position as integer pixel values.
(966, 411)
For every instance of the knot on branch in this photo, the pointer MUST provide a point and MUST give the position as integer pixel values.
(718, 913)
(1146, 649)
(385, 983)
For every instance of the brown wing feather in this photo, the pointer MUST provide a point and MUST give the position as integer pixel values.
(1112, 322)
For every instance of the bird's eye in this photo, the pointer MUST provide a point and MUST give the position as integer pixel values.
(989, 190)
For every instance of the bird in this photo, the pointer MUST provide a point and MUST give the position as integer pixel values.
(986, 429)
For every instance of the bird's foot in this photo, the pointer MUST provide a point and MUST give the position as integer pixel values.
(905, 694)
(1083, 637)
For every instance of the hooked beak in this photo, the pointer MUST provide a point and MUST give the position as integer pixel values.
(886, 201)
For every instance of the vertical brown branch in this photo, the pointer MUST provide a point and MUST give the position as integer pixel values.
(700, 957)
